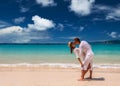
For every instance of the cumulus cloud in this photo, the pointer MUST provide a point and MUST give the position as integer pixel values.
(10, 34)
(17, 34)
(81, 7)
(12, 29)
(113, 34)
(19, 20)
(36, 31)
(41, 24)
(46, 3)
(85, 7)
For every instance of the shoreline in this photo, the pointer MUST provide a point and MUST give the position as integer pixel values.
(61, 65)
(55, 68)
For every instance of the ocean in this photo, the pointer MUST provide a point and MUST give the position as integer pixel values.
(106, 55)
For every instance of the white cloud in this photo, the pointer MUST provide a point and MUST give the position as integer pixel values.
(81, 7)
(12, 29)
(114, 14)
(46, 3)
(4, 24)
(17, 34)
(82, 28)
(24, 5)
(41, 24)
(113, 34)
(60, 27)
(111, 13)
(11, 34)
(71, 37)
(23, 9)
(99, 8)
(19, 20)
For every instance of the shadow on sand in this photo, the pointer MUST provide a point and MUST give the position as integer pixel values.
(95, 79)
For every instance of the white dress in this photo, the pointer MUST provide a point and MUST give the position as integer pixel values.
(86, 53)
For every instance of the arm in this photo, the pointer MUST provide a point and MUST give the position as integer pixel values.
(80, 61)
(77, 53)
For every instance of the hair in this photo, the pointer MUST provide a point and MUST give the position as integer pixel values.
(71, 47)
(77, 39)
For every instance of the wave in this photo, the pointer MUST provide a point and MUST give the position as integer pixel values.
(61, 65)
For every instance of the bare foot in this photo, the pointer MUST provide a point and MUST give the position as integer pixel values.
(81, 79)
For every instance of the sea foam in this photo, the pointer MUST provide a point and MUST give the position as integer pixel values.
(61, 65)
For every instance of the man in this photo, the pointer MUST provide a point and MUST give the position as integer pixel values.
(87, 54)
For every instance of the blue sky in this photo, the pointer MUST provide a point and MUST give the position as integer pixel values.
(39, 21)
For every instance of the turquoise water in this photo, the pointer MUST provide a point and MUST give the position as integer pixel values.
(104, 54)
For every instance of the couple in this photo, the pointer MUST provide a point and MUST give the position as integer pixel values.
(85, 52)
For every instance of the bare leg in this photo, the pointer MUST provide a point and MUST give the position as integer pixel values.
(83, 72)
(90, 74)
(90, 77)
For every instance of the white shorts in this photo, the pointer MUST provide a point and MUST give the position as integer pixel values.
(88, 60)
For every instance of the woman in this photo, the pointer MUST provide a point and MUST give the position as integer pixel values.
(77, 54)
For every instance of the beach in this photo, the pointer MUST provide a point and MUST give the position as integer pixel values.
(55, 42)
(53, 65)
(56, 76)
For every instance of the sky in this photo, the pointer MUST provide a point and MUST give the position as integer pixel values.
(58, 21)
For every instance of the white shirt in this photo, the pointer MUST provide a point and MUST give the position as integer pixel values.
(83, 50)
(77, 52)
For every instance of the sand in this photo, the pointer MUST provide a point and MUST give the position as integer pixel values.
(51, 76)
